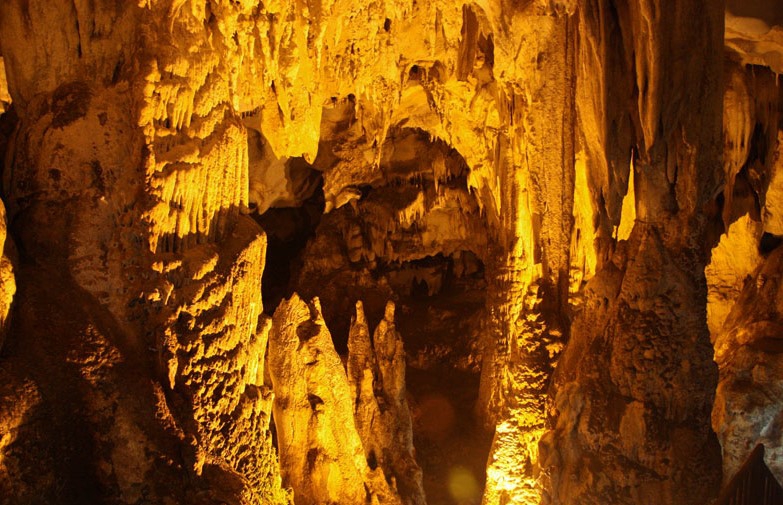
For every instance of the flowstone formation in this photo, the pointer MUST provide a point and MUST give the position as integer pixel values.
(321, 454)
(561, 218)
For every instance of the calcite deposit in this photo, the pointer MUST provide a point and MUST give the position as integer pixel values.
(321, 454)
(394, 252)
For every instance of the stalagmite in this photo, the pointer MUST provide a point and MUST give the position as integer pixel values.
(321, 453)
(394, 440)
(362, 370)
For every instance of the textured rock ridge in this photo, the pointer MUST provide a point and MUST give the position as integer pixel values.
(376, 373)
(212, 348)
(634, 387)
(128, 173)
(336, 442)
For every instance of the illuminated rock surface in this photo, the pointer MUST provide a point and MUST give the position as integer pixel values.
(556, 216)
(321, 453)
(744, 306)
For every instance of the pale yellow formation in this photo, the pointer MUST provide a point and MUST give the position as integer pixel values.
(321, 454)
(5, 97)
(397, 437)
(197, 159)
(628, 212)
(738, 121)
(218, 360)
(514, 474)
(376, 373)
(362, 371)
(731, 266)
(772, 214)
(583, 253)
(512, 480)
(7, 280)
(757, 39)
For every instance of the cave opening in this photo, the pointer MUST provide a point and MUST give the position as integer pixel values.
(288, 230)
(403, 238)
(442, 300)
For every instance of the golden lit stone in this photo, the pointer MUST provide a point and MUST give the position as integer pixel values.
(628, 212)
(553, 215)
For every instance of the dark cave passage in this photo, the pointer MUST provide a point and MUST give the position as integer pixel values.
(288, 229)
(441, 332)
(397, 242)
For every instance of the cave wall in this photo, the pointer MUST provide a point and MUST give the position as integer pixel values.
(127, 171)
(636, 383)
(743, 307)
(590, 154)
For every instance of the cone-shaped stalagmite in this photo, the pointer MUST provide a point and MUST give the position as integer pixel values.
(321, 454)
(377, 372)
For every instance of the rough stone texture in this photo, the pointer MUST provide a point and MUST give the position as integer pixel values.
(363, 373)
(635, 385)
(745, 286)
(754, 30)
(748, 350)
(513, 470)
(213, 347)
(632, 399)
(321, 454)
(7, 248)
(7, 280)
(135, 199)
(772, 213)
(86, 422)
(5, 97)
(376, 373)
(566, 153)
(733, 262)
(742, 311)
